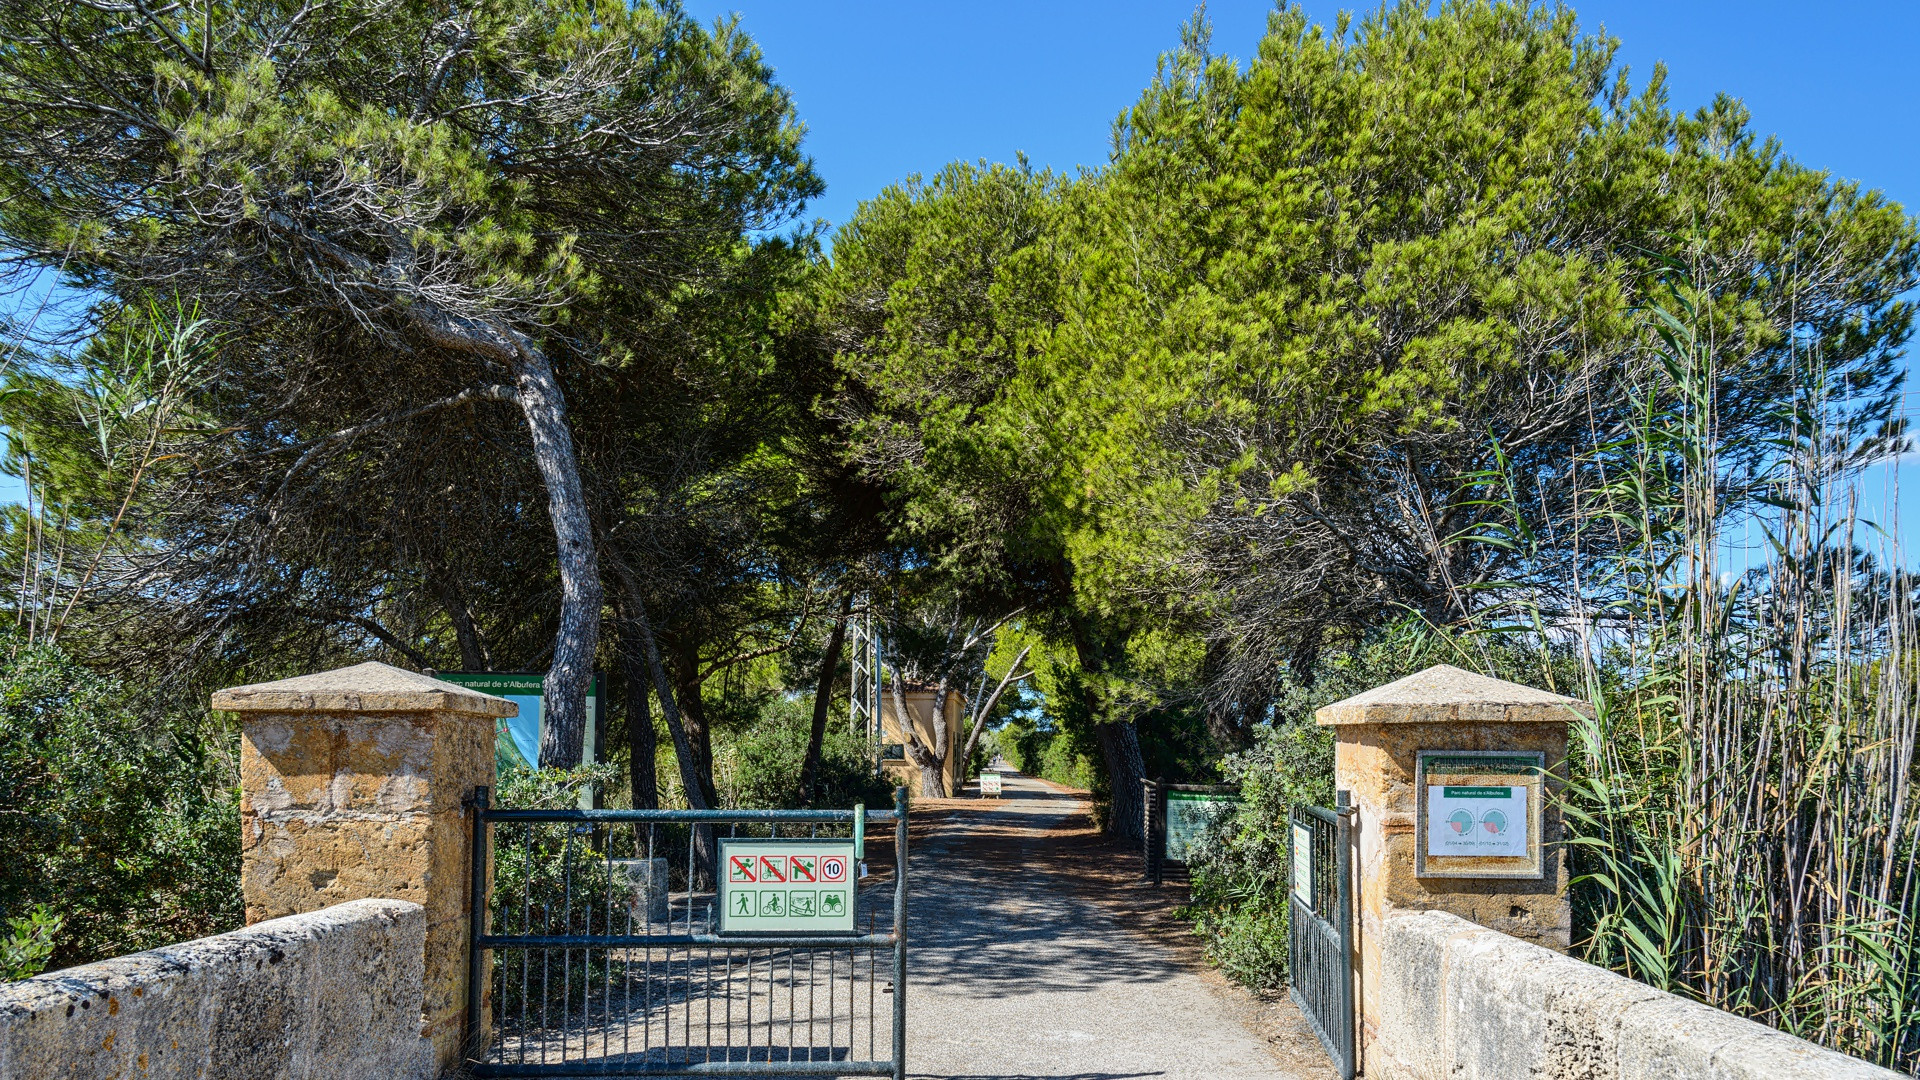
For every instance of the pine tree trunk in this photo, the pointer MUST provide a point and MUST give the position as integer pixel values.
(933, 784)
(473, 655)
(822, 701)
(693, 714)
(1119, 740)
(979, 721)
(571, 672)
(1120, 750)
(705, 848)
(643, 745)
(662, 687)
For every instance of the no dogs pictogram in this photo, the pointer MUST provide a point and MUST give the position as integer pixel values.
(802, 867)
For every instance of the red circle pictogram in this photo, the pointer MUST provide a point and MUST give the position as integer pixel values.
(833, 868)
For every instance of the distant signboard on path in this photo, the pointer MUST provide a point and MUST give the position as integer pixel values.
(989, 784)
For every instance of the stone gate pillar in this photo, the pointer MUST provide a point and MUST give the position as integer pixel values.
(1452, 752)
(352, 785)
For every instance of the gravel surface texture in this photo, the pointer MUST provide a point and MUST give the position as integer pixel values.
(1036, 951)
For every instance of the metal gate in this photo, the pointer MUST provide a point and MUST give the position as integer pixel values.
(604, 956)
(1321, 906)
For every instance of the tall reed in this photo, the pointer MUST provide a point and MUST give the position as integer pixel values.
(1741, 800)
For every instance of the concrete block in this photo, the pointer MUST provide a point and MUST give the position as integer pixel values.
(646, 880)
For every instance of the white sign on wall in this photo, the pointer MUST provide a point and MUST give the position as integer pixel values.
(1476, 821)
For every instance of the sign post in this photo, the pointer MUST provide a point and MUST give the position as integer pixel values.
(1191, 810)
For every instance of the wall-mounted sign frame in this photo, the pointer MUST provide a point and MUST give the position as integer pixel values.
(1479, 814)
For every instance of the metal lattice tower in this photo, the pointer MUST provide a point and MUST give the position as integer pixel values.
(863, 705)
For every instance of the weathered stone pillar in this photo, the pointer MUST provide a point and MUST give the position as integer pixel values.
(1380, 736)
(352, 784)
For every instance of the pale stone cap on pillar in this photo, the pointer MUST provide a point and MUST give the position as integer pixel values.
(371, 687)
(1445, 694)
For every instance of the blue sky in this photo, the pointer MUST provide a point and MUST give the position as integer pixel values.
(889, 89)
(894, 88)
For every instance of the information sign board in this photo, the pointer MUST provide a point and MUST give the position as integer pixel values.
(1481, 814)
(517, 741)
(990, 784)
(786, 886)
(1189, 813)
(1476, 820)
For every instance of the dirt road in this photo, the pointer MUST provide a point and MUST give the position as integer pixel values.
(1036, 952)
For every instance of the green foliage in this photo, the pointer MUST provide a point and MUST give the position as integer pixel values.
(1738, 805)
(545, 877)
(1047, 751)
(128, 829)
(1239, 872)
(28, 941)
(759, 766)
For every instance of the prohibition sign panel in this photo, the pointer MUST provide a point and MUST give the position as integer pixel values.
(801, 886)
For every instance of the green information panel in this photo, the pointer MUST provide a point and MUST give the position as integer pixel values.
(798, 886)
(1189, 813)
(517, 742)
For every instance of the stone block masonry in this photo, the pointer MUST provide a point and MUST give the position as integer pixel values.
(1461, 1002)
(353, 785)
(1462, 976)
(326, 995)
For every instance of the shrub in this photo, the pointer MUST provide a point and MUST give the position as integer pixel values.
(127, 828)
(1239, 870)
(1050, 752)
(759, 767)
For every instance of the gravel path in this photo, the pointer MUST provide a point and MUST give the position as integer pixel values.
(1035, 952)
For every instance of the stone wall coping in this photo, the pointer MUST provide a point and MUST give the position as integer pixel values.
(1462, 1002)
(326, 994)
(1444, 694)
(371, 687)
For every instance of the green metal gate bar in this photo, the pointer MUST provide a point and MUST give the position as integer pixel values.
(595, 975)
(1321, 927)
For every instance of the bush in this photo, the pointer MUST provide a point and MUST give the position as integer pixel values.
(128, 829)
(1050, 753)
(1238, 872)
(759, 767)
(27, 942)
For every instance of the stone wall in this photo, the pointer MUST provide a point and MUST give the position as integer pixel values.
(1461, 1002)
(326, 995)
